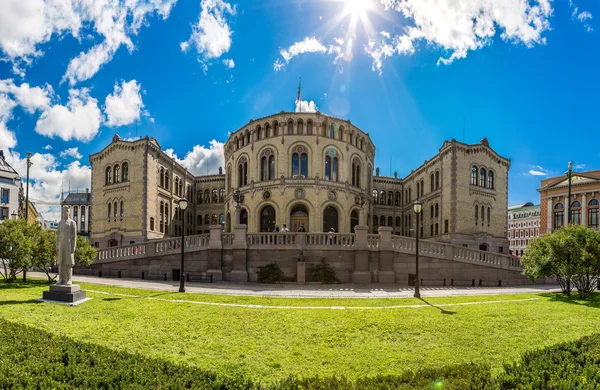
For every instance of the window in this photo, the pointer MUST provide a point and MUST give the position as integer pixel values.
(161, 176)
(482, 175)
(356, 172)
(229, 177)
(290, 129)
(491, 179)
(390, 221)
(489, 215)
(431, 230)
(121, 210)
(215, 196)
(167, 182)
(593, 206)
(474, 170)
(437, 210)
(300, 162)
(242, 172)
(431, 184)
(109, 214)
(275, 132)
(300, 126)
(382, 221)
(476, 214)
(309, 127)
(398, 221)
(5, 195)
(445, 226)
(117, 174)
(4, 213)
(559, 215)
(418, 189)
(108, 177)
(431, 210)
(397, 202)
(125, 171)
(390, 198)
(267, 130)
(151, 224)
(115, 210)
(437, 180)
(382, 197)
(482, 215)
(162, 217)
(331, 168)
(222, 195)
(375, 197)
(437, 228)
(166, 218)
(576, 212)
(375, 221)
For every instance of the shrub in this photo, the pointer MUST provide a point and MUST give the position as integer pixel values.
(322, 272)
(270, 273)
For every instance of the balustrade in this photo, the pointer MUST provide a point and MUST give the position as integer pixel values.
(373, 241)
(330, 239)
(123, 252)
(271, 239)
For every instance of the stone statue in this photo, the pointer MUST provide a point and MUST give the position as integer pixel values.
(65, 246)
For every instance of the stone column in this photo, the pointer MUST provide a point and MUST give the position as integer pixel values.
(583, 210)
(240, 246)
(549, 214)
(386, 256)
(361, 272)
(215, 246)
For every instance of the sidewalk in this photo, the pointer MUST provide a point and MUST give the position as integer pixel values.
(307, 291)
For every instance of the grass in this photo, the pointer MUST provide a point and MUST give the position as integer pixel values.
(267, 344)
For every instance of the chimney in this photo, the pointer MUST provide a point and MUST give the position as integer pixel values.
(377, 172)
(395, 175)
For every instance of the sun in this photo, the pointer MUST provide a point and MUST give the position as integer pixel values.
(357, 8)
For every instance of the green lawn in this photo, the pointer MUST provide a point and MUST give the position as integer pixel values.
(270, 343)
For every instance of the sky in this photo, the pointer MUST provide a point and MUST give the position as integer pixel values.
(411, 73)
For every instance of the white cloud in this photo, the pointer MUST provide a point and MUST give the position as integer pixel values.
(461, 26)
(537, 173)
(30, 98)
(26, 25)
(8, 138)
(313, 45)
(537, 170)
(124, 105)
(306, 106)
(229, 63)
(202, 159)
(584, 17)
(48, 147)
(80, 119)
(211, 36)
(71, 152)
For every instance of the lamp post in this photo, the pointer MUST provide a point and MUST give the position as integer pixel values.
(360, 200)
(418, 208)
(14, 215)
(29, 163)
(183, 204)
(238, 198)
(569, 201)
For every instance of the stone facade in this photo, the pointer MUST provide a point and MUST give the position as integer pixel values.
(11, 191)
(523, 226)
(300, 170)
(80, 205)
(584, 203)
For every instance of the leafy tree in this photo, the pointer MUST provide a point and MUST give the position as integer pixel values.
(571, 255)
(15, 247)
(44, 251)
(84, 252)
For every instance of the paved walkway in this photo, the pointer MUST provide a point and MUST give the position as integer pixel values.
(308, 291)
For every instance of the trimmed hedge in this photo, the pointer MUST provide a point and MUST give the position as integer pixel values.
(34, 359)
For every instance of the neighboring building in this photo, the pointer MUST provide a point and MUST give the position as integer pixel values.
(33, 216)
(300, 169)
(584, 202)
(11, 188)
(80, 206)
(523, 226)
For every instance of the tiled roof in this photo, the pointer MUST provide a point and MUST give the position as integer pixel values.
(78, 198)
(5, 167)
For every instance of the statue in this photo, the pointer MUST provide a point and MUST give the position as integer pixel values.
(66, 240)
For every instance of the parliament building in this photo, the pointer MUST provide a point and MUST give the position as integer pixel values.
(302, 170)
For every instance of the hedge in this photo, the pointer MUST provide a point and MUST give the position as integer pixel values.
(35, 359)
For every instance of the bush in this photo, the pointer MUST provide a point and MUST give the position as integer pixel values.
(270, 273)
(323, 273)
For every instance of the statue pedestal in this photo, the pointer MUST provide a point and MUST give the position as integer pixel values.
(67, 294)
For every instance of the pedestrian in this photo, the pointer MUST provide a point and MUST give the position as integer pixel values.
(276, 230)
(302, 229)
(285, 229)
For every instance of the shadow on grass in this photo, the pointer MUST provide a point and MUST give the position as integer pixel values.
(18, 284)
(437, 307)
(12, 302)
(592, 301)
(111, 299)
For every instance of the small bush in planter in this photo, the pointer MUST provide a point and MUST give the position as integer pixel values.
(323, 273)
(270, 273)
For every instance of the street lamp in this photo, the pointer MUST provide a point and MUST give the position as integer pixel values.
(360, 200)
(14, 215)
(29, 164)
(183, 204)
(569, 201)
(238, 198)
(417, 207)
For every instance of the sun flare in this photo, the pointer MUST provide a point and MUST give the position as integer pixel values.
(358, 7)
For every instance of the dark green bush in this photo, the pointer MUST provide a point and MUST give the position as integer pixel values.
(270, 273)
(323, 273)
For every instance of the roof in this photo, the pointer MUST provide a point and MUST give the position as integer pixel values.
(4, 166)
(520, 206)
(82, 198)
(576, 179)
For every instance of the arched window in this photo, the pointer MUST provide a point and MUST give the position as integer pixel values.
(375, 221)
(300, 126)
(398, 222)
(109, 214)
(151, 224)
(382, 221)
(390, 197)
(390, 221)
(397, 200)
(199, 220)
(491, 179)
(206, 196)
(482, 215)
(410, 195)
(125, 171)
(290, 127)
(108, 177)
(161, 176)
(214, 220)
(207, 219)
(242, 172)
(431, 212)
(222, 219)
(489, 215)
(215, 196)
(276, 129)
(222, 195)
(418, 189)
(180, 187)
(593, 217)
(356, 172)
(267, 130)
(247, 137)
(375, 195)
(115, 209)
(229, 177)
(258, 133)
(482, 177)
(299, 162)
(353, 220)
(309, 127)
(267, 219)
(237, 143)
(162, 217)
(576, 212)
(244, 217)
(117, 171)
(330, 219)
(121, 209)
(437, 180)
(476, 214)
(228, 223)
(176, 184)
(331, 168)
(166, 218)
(382, 197)
(167, 182)
(474, 171)
(437, 210)
(431, 178)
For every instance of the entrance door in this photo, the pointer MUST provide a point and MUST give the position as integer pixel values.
(298, 217)
(330, 219)
(112, 243)
(353, 220)
(483, 247)
(267, 219)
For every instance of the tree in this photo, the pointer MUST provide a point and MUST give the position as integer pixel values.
(84, 252)
(571, 255)
(15, 247)
(44, 251)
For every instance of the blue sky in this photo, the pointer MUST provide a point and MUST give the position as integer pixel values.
(522, 73)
